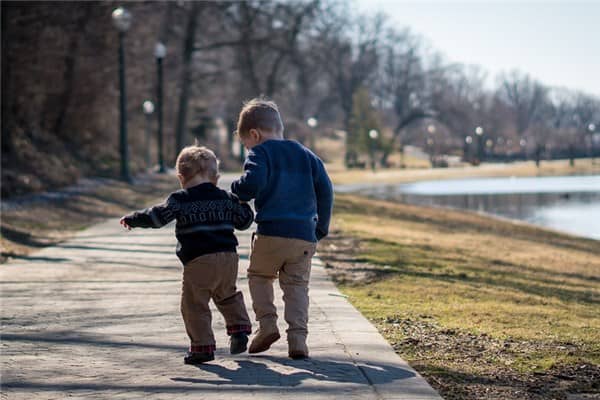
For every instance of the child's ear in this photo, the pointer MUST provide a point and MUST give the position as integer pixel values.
(255, 134)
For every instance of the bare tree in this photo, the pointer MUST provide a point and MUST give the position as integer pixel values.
(401, 85)
(351, 62)
(528, 101)
(525, 96)
(586, 118)
(186, 72)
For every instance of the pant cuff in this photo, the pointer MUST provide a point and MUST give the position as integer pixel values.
(231, 329)
(206, 348)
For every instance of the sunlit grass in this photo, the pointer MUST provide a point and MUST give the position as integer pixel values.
(474, 274)
(340, 175)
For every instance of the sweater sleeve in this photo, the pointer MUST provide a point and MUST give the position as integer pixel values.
(254, 177)
(324, 195)
(243, 216)
(155, 216)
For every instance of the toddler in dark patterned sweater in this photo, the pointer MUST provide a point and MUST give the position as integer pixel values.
(206, 245)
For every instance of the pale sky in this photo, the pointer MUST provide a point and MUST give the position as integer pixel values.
(556, 42)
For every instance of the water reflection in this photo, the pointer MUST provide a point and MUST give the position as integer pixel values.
(570, 204)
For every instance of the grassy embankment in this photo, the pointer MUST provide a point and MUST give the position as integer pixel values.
(483, 307)
(519, 169)
(33, 223)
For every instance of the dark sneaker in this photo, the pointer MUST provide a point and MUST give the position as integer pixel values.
(263, 341)
(297, 348)
(238, 342)
(198, 358)
(298, 355)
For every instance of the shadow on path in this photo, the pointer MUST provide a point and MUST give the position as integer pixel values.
(78, 338)
(253, 372)
(34, 258)
(249, 372)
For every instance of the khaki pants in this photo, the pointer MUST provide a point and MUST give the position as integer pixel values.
(289, 260)
(212, 276)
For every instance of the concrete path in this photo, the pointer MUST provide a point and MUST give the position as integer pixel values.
(98, 317)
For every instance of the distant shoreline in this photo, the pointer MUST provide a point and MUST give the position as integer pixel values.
(585, 166)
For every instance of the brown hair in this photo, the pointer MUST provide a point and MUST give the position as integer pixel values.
(193, 160)
(259, 113)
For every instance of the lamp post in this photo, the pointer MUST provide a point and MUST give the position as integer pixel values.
(373, 134)
(122, 20)
(160, 51)
(488, 147)
(148, 108)
(430, 143)
(592, 128)
(312, 123)
(468, 141)
(479, 133)
(523, 144)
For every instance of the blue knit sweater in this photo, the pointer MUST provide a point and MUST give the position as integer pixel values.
(293, 195)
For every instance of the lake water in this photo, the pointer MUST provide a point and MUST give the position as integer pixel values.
(567, 203)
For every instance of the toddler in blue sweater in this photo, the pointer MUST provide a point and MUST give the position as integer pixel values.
(293, 200)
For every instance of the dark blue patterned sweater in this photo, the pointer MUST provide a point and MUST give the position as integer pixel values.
(292, 191)
(206, 217)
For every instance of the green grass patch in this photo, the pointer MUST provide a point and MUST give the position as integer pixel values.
(464, 293)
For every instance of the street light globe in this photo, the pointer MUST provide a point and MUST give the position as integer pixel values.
(121, 19)
(592, 127)
(479, 131)
(160, 50)
(523, 142)
(431, 129)
(148, 107)
(468, 140)
(277, 24)
(312, 122)
(373, 134)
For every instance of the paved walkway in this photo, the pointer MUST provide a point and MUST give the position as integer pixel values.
(98, 317)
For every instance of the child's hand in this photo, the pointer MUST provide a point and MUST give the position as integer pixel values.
(122, 222)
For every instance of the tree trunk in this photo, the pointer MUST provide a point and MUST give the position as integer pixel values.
(188, 51)
(69, 75)
(7, 115)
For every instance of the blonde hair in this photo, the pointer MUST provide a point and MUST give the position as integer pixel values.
(193, 160)
(259, 113)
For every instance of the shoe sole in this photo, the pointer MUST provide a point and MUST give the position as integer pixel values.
(196, 362)
(238, 350)
(267, 342)
(298, 355)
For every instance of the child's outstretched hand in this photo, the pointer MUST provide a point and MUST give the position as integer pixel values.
(124, 224)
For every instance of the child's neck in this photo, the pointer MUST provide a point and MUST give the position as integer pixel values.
(197, 180)
(269, 136)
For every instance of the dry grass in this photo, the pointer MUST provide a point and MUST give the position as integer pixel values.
(36, 224)
(520, 169)
(459, 294)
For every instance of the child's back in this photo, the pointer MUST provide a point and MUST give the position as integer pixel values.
(206, 217)
(293, 201)
(288, 183)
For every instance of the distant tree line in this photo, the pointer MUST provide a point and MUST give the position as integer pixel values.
(318, 59)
